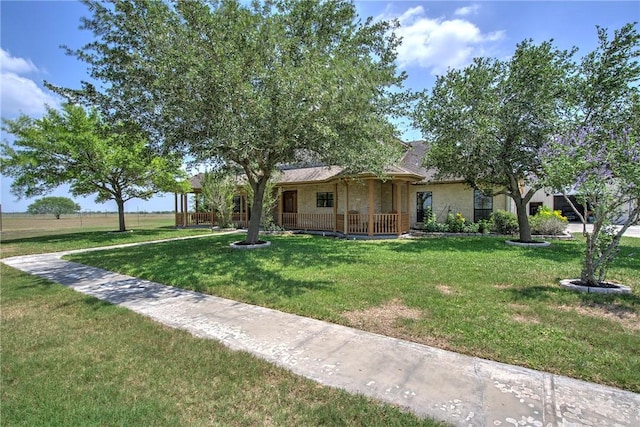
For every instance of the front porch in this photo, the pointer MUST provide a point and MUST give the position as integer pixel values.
(365, 206)
(347, 206)
(365, 224)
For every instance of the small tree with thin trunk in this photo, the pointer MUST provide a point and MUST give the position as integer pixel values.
(605, 176)
(218, 190)
(53, 205)
(76, 147)
(598, 157)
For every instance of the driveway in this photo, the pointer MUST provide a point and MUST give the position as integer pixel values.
(633, 231)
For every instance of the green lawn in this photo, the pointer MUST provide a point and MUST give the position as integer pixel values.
(35, 242)
(472, 295)
(72, 360)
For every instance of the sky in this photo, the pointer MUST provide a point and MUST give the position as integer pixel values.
(437, 35)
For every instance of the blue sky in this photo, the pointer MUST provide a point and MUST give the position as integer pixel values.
(436, 35)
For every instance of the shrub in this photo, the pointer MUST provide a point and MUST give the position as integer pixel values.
(430, 224)
(548, 222)
(505, 222)
(455, 223)
(484, 226)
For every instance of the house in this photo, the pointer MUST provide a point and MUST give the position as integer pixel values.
(328, 199)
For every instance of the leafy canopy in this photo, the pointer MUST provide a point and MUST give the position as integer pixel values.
(487, 123)
(598, 156)
(76, 147)
(53, 205)
(255, 86)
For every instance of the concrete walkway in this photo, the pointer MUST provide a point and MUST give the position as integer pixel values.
(461, 390)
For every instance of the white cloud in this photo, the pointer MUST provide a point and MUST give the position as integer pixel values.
(12, 64)
(20, 94)
(467, 10)
(437, 44)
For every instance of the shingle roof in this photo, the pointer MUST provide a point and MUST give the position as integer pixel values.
(412, 161)
(410, 166)
(309, 174)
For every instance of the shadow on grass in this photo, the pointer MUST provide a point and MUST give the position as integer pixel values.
(548, 293)
(91, 236)
(294, 265)
(204, 264)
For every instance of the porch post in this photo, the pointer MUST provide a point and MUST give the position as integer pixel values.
(407, 205)
(185, 210)
(398, 208)
(346, 209)
(175, 209)
(370, 227)
(243, 209)
(335, 206)
(280, 208)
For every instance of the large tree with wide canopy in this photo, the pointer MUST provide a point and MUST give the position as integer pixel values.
(256, 86)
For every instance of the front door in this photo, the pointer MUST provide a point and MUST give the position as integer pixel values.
(289, 208)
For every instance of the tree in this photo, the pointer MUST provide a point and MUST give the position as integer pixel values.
(605, 176)
(76, 147)
(254, 86)
(598, 157)
(53, 205)
(269, 202)
(218, 190)
(487, 122)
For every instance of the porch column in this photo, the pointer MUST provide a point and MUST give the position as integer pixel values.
(243, 209)
(398, 208)
(370, 227)
(407, 204)
(280, 222)
(346, 209)
(185, 210)
(175, 209)
(335, 206)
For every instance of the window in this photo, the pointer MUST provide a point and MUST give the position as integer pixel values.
(424, 203)
(482, 206)
(324, 200)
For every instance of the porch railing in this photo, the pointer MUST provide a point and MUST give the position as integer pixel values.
(308, 221)
(207, 218)
(356, 223)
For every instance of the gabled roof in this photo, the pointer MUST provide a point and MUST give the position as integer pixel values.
(412, 161)
(410, 167)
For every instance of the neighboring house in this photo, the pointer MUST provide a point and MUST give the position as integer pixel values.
(327, 199)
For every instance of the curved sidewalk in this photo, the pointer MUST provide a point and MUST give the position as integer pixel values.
(458, 389)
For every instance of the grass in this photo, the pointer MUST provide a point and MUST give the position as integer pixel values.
(472, 295)
(69, 359)
(29, 234)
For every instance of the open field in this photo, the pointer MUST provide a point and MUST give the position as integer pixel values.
(26, 234)
(475, 296)
(21, 224)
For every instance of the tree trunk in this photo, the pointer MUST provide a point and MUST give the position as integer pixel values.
(256, 210)
(523, 219)
(120, 203)
(588, 275)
